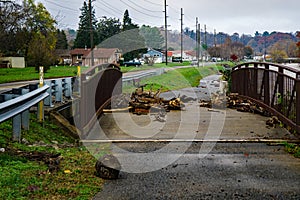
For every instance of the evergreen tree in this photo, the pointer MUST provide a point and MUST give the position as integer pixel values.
(61, 42)
(127, 22)
(108, 27)
(83, 38)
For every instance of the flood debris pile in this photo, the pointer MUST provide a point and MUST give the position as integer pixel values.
(244, 105)
(141, 102)
(233, 101)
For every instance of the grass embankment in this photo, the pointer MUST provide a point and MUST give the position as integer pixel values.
(176, 79)
(29, 73)
(25, 173)
(155, 66)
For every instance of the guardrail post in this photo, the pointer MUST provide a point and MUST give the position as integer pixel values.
(16, 120)
(17, 128)
(58, 90)
(40, 112)
(48, 100)
(67, 87)
(25, 115)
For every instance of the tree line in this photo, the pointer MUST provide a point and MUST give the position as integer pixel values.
(28, 29)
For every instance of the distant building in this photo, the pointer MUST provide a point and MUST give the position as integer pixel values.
(12, 62)
(186, 55)
(63, 56)
(156, 55)
(78, 54)
(102, 56)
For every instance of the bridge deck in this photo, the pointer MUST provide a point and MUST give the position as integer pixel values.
(193, 124)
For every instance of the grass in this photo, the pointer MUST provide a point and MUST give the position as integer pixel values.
(155, 66)
(292, 149)
(176, 79)
(23, 178)
(29, 73)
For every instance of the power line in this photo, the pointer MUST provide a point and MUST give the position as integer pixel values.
(139, 11)
(110, 6)
(156, 4)
(153, 11)
(106, 11)
(61, 6)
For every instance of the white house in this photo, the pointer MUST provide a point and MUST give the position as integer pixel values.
(12, 62)
(156, 55)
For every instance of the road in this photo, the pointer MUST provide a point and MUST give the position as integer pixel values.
(229, 171)
(170, 166)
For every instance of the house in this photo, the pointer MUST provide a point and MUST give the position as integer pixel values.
(12, 62)
(186, 55)
(156, 55)
(78, 54)
(63, 56)
(102, 56)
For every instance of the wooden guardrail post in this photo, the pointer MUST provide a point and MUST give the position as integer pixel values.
(41, 104)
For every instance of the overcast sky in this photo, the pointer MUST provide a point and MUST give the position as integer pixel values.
(241, 16)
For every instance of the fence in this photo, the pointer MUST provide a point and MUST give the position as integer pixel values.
(139, 75)
(272, 86)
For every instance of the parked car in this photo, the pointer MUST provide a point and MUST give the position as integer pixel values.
(132, 63)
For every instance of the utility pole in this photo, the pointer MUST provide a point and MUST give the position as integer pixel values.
(181, 34)
(200, 46)
(215, 35)
(205, 41)
(91, 32)
(166, 31)
(205, 36)
(197, 43)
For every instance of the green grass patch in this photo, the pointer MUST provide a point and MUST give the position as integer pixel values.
(176, 79)
(29, 73)
(292, 149)
(23, 178)
(155, 66)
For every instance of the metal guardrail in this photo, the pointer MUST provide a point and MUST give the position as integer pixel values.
(272, 86)
(18, 107)
(58, 89)
(138, 76)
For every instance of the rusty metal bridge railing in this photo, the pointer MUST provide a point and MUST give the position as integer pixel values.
(272, 86)
(97, 86)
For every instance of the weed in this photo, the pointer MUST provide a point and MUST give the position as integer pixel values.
(21, 178)
(292, 149)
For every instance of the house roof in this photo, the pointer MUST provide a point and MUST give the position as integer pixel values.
(191, 53)
(79, 51)
(62, 52)
(103, 53)
(153, 50)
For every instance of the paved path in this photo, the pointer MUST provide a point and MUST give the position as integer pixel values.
(229, 171)
(174, 167)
